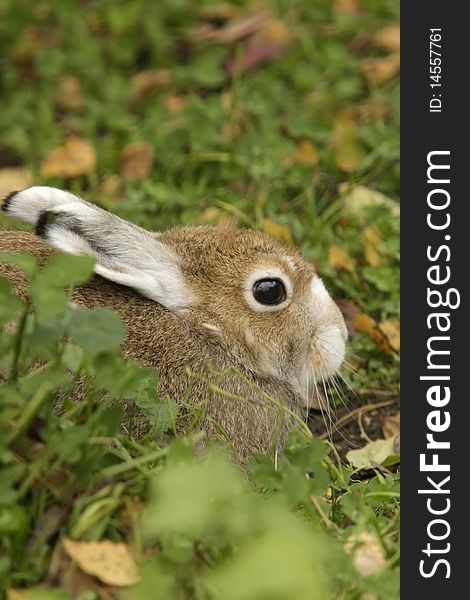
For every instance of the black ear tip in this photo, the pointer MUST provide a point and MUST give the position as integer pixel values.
(44, 220)
(7, 200)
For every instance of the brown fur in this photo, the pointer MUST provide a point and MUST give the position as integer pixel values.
(158, 338)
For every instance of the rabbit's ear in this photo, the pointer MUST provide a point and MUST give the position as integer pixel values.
(125, 253)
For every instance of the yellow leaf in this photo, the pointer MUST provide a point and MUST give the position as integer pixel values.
(145, 83)
(365, 324)
(175, 103)
(75, 158)
(347, 7)
(274, 31)
(349, 151)
(385, 334)
(281, 232)
(339, 259)
(69, 95)
(112, 186)
(388, 38)
(391, 330)
(137, 160)
(380, 70)
(111, 562)
(13, 594)
(14, 178)
(371, 239)
(305, 154)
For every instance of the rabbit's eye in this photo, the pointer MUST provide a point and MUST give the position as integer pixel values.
(269, 291)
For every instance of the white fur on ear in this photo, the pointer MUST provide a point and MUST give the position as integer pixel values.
(28, 204)
(125, 253)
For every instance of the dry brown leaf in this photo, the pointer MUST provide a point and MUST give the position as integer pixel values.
(28, 43)
(14, 178)
(274, 31)
(175, 103)
(388, 38)
(370, 240)
(368, 112)
(270, 41)
(144, 84)
(339, 259)
(112, 186)
(137, 160)
(391, 330)
(306, 154)
(281, 232)
(390, 425)
(368, 554)
(69, 95)
(380, 70)
(349, 150)
(347, 7)
(385, 334)
(111, 562)
(74, 158)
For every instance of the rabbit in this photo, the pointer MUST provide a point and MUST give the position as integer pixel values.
(234, 321)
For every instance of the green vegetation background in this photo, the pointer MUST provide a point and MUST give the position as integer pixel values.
(138, 96)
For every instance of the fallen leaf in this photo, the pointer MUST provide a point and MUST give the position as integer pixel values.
(111, 562)
(347, 7)
(339, 259)
(358, 199)
(349, 150)
(137, 160)
(370, 240)
(349, 311)
(368, 553)
(391, 330)
(144, 84)
(74, 158)
(390, 425)
(27, 45)
(385, 334)
(388, 38)
(69, 95)
(367, 112)
(269, 42)
(14, 178)
(374, 454)
(305, 154)
(380, 70)
(112, 186)
(365, 324)
(276, 230)
(175, 103)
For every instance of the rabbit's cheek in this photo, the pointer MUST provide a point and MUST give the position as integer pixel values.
(328, 351)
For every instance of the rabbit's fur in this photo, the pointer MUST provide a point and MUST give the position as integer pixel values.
(186, 297)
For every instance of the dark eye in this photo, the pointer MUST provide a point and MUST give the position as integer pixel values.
(269, 291)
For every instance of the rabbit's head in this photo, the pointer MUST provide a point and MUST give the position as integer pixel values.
(240, 289)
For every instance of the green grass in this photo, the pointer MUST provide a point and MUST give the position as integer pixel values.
(197, 527)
